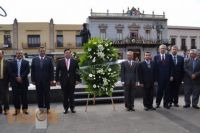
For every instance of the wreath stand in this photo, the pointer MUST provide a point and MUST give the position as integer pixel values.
(94, 100)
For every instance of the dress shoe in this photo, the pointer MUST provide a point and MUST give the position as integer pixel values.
(25, 112)
(170, 105)
(15, 114)
(73, 111)
(196, 107)
(128, 109)
(186, 106)
(5, 112)
(152, 108)
(176, 105)
(146, 109)
(65, 112)
(167, 107)
(132, 109)
(157, 106)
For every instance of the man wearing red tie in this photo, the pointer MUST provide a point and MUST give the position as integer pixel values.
(164, 74)
(68, 76)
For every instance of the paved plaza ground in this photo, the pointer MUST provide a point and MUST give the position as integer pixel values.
(102, 119)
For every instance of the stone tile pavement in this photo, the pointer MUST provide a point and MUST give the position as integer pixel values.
(102, 119)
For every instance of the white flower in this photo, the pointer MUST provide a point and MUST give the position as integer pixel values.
(100, 47)
(94, 59)
(109, 69)
(94, 86)
(90, 57)
(101, 54)
(90, 75)
(106, 44)
(89, 49)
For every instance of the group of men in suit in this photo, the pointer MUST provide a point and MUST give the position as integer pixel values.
(42, 76)
(167, 72)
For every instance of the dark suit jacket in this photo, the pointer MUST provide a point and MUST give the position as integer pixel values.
(25, 69)
(63, 75)
(45, 74)
(6, 74)
(188, 68)
(179, 69)
(129, 73)
(163, 69)
(146, 75)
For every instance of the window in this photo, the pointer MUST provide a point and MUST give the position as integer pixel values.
(7, 41)
(78, 41)
(134, 34)
(183, 44)
(148, 35)
(59, 41)
(193, 44)
(103, 34)
(173, 41)
(34, 41)
(119, 34)
(159, 36)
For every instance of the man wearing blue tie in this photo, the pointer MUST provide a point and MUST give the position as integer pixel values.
(178, 76)
(164, 73)
(192, 80)
(19, 71)
(42, 76)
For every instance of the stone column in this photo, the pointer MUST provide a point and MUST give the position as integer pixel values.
(51, 36)
(15, 45)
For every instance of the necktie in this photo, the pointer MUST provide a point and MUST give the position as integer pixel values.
(41, 62)
(130, 63)
(193, 64)
(67, 64)
(162, 57)
(18, 67)
(174, 60)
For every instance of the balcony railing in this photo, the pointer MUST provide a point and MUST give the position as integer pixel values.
(95, 14)
(65, 45)
(6, 46)
(32, 46)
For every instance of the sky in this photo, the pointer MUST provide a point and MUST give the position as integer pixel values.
(178, 12)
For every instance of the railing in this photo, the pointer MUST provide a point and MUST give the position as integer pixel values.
(65, 45)
(127, 15)
(32, 46)
(6, 46)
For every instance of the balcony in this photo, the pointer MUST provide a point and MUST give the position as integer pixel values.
(153, 16)
(66, 45)
(32, 46)
(139, 42)
(6, 46)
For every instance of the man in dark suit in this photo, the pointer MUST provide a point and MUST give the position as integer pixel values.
(19, 70)
(42, 75)
(67, 73)
(146, 75)
(130, 79)
(177, 76)
(164, 73)
(192, 80)
(4, 82)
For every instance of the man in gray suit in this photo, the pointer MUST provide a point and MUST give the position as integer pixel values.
(129, 78)
(192, 80)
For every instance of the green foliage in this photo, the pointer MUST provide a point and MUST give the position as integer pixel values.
(99, 70)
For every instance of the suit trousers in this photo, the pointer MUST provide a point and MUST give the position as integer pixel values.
(129, 94)
(43, 94)
(68, 95)
(162, 92)
(174, 87)
(20, 96)
(194, 90)
(148, 94)
(4, 95)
